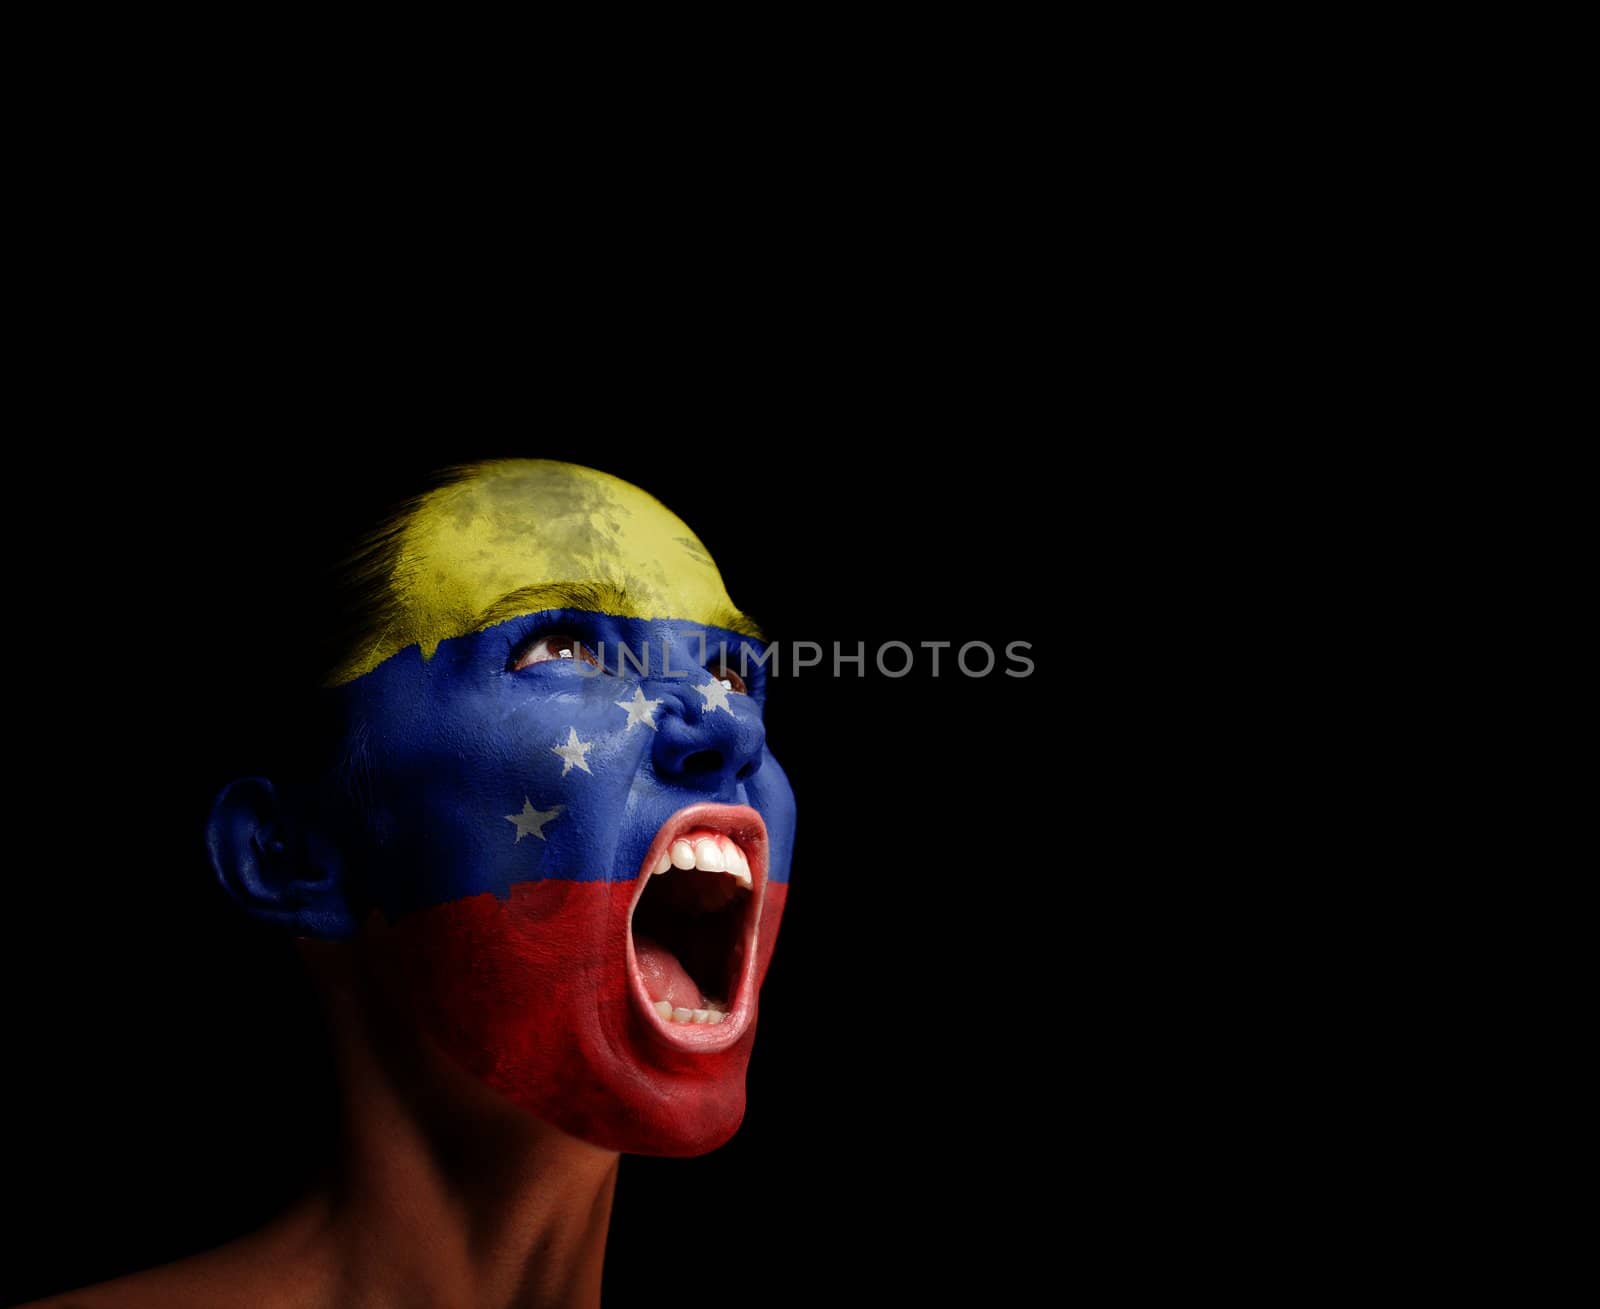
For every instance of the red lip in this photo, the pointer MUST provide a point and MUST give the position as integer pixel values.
(744, 826)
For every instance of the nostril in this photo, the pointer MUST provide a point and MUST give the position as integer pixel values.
(703, 761)
(746, 772)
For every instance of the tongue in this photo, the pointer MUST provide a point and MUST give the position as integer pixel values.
(664, 977)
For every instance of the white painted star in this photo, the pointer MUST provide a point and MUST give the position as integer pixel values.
(574, 752)
(716, 695)
(531, 821)
(639, 710)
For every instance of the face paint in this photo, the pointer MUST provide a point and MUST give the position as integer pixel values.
(482, 549)
(571, 864)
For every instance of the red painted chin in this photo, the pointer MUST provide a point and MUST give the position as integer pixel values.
(540, 997)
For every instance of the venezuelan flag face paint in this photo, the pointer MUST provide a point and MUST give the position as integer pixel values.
(573, 841)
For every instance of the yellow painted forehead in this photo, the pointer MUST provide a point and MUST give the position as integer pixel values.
(518, 535)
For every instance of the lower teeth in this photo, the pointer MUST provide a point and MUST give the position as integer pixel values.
(708, 1016)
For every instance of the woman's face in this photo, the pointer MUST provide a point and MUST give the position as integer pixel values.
(571, 842)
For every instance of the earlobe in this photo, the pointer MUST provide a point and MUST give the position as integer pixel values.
(275, 869)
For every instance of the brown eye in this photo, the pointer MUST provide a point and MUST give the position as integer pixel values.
(730, 679)
(552, 647)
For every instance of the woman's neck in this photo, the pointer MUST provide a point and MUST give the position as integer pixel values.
(444, 1194)
(447, 1194)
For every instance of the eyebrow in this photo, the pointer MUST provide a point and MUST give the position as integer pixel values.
(595, 597)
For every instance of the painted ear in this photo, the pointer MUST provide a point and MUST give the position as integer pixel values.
(278, 871)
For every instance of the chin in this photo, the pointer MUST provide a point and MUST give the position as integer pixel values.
(677, 1117)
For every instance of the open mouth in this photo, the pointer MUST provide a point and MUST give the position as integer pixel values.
(692, 930)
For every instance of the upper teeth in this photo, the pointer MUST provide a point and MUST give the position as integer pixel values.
(708, 850)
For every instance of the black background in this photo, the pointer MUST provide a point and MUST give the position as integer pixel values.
(924, 1027)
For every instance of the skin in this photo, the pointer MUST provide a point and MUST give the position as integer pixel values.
(493, 1062)
(510, 952)
(444, 1194)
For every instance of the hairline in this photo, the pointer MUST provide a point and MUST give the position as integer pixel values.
(597, 597)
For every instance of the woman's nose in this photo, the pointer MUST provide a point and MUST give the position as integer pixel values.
(711, 743)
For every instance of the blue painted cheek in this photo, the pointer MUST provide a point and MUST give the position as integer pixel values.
(473, 778)
(771, 796)
(468, 792)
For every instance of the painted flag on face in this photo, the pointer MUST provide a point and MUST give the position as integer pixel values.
(571, 841)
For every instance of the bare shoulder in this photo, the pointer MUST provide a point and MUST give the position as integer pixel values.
(261, 1271)
(157, 1286)
(189, 1282)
